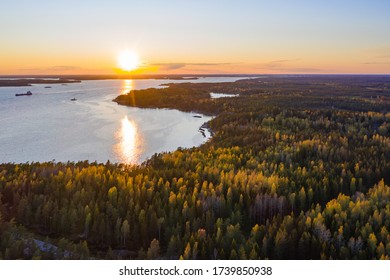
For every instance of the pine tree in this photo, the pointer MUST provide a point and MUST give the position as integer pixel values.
(154, 250)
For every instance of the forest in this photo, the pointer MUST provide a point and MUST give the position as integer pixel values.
(298, 168)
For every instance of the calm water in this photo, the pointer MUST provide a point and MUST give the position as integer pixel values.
(221, 95)
(49, 126)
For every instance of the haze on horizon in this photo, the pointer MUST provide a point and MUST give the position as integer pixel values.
(197, 37)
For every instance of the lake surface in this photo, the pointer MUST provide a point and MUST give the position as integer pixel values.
(49, 126)
(222, 95)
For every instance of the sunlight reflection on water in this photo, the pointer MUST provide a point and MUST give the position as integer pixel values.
(129, 148)
(127, 86)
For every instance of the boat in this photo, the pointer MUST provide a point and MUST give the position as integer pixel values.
(73, 99)
(28, 93)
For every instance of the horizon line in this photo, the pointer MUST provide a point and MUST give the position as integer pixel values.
(185, 75)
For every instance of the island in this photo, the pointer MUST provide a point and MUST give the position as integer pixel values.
(20, 80)
(15, 82)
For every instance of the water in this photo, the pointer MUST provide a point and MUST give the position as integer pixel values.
(221, 95)
(49, 126)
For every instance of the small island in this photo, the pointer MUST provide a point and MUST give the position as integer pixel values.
(28, 82)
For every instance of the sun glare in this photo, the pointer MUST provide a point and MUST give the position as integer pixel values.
(128, 61)
(129, 147)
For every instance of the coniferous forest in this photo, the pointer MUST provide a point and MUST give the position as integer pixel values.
(297, 168)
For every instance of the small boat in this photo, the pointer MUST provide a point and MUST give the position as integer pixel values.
(24, 94)
(196, 116)
(48, 87)
(73, 99)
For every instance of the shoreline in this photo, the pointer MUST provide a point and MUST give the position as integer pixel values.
(28, 80)
(31, 81)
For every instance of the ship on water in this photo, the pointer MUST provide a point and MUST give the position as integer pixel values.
(28, 93)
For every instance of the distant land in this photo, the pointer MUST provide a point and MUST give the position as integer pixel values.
(28, 80)
(15, 82)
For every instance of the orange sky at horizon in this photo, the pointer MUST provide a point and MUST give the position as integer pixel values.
(110, 66)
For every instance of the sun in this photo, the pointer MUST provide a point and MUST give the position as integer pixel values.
(128, 60)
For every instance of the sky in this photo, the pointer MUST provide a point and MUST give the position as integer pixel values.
(195, 36)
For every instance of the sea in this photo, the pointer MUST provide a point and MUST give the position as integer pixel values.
(79, 121)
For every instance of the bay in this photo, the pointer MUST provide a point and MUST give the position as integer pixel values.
(50, 126)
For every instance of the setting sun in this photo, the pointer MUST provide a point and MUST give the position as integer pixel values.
(128, 60)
